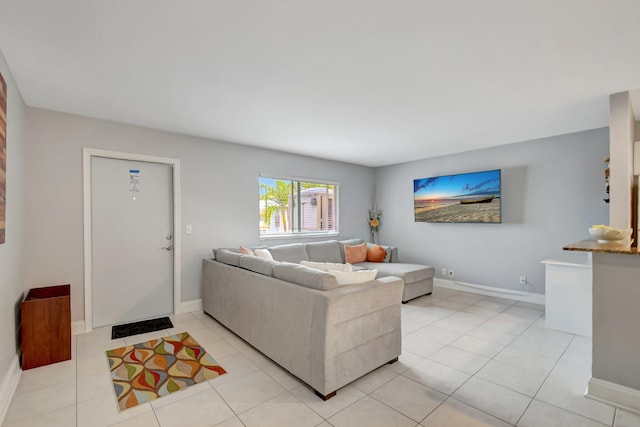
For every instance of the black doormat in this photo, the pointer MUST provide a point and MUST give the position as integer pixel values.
(142, 327)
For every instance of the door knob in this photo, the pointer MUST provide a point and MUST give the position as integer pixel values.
(167, 248)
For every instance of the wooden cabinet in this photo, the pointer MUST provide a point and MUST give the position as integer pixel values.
(46, 326)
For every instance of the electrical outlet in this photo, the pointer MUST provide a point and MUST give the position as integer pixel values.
(523, 280)
(450, 273)
(444, 271)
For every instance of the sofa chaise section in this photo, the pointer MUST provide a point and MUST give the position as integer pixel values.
(418, 279)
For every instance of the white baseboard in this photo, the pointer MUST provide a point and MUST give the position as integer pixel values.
(614, 394)
(189, 306)
(490, 291)
(77, 327)
(8, 386)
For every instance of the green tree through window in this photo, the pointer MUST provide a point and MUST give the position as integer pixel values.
(290, 206)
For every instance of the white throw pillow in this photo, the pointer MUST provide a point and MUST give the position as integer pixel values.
(263, 253)
(327, 266)
(353, 277)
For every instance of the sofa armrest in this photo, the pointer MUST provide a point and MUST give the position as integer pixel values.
(356, 328)
(352, 301)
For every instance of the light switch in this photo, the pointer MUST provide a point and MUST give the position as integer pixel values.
(189, 230)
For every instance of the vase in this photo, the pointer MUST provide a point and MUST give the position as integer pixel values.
(374, 237)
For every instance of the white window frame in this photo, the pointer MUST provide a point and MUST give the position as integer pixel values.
(303, 234)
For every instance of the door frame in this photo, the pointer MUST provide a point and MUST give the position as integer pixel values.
(87, 154)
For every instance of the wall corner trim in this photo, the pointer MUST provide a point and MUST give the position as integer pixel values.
(189, 306)
(9, 386)
(614, 394)
(77, 327)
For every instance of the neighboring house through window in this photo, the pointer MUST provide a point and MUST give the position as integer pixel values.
(296, 206)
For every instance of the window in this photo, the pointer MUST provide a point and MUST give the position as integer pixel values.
(290, 206)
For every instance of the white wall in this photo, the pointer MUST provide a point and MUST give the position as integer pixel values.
(552, 191)
(11, 278)
(219, 193)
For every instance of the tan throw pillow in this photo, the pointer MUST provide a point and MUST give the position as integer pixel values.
(263, 253)
(376, 253)
(246, 251)
(352, 277)
(355, 254)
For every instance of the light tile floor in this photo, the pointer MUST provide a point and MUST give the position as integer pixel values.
(468, 360)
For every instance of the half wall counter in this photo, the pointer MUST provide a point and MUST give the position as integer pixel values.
(615, 372)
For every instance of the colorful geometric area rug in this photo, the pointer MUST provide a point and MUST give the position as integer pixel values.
(156, 368)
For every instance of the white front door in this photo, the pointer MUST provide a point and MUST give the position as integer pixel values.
(131, 240)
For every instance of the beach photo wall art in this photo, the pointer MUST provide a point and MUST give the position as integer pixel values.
(3, 157)
(468, 197)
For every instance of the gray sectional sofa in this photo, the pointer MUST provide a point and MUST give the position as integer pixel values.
(324, 334)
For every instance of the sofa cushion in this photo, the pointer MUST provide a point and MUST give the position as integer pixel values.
(376, 253)
(408, 272)
(352, 277)
(328, 251)
(348, 242)
(228, 257)
(294, 252)
(257, 264)
(327, 266)
(355, 254)
(305, 276)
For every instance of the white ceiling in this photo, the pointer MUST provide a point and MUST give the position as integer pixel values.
(364, 81)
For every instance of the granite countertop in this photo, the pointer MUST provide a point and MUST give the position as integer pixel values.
(592, 245)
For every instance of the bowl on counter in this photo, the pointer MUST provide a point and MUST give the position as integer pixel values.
(606, 234)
